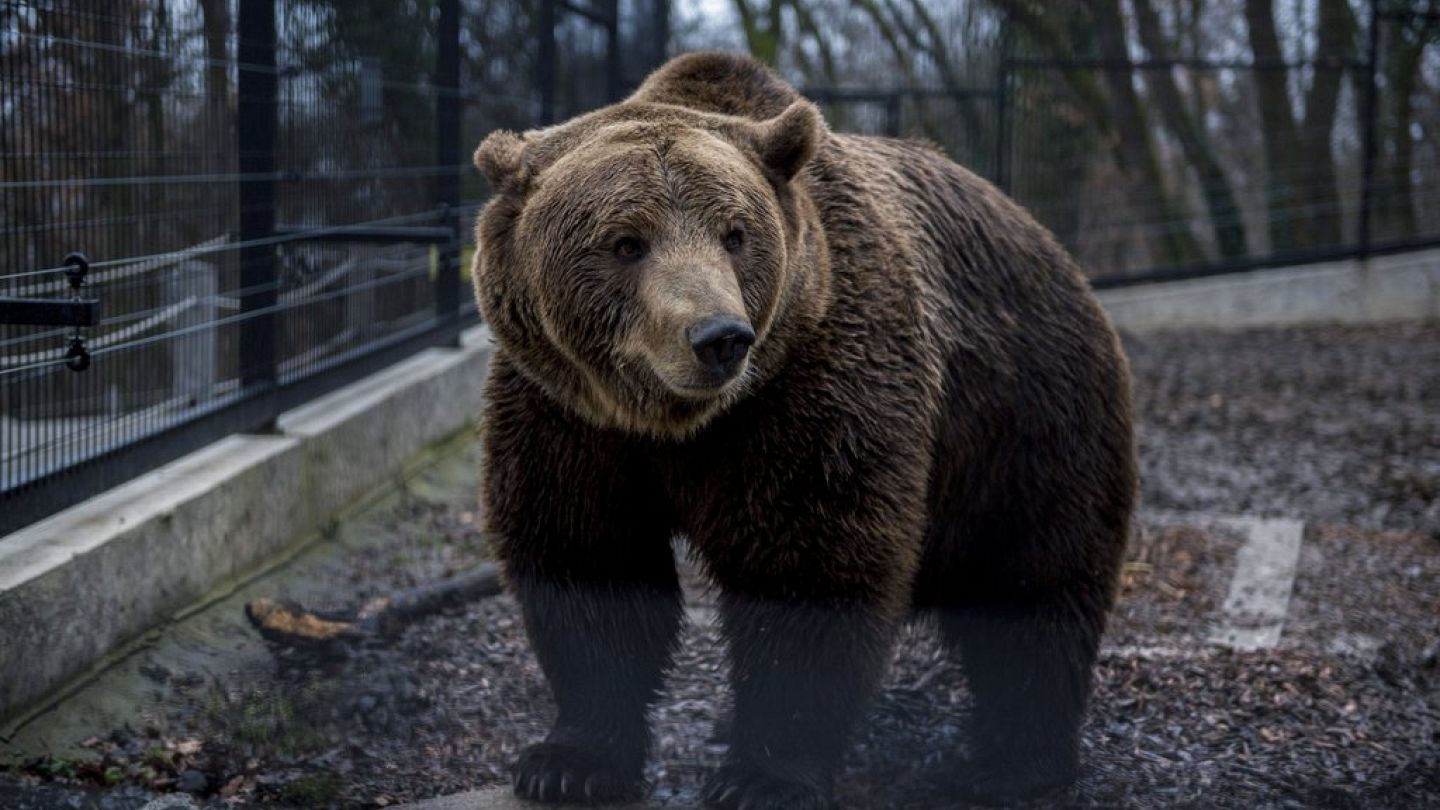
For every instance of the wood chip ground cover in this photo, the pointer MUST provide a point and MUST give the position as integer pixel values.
(1327, 426)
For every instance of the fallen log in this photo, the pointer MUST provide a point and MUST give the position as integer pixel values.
(287, 622)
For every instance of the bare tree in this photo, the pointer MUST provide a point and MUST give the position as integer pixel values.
(1302, 194)
(1189, 129)
(1404, 51)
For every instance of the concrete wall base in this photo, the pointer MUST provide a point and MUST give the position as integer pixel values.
(1385, 289)
(83, 582)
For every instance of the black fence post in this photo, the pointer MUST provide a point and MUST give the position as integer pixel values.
(616, 79)
(892, 115)
(447, 157)
(255, 134)
(1370, 124)
(1002, 110)
(661, 32)
(545, 71)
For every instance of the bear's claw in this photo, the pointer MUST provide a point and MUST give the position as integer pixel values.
(736, 787)
(555, 773)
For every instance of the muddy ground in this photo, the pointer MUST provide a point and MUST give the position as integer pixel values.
(1337, 427)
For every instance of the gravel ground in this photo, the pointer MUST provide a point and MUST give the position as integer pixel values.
(1326, 425)
(1337, 427)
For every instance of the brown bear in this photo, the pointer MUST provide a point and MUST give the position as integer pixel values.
(863, 383)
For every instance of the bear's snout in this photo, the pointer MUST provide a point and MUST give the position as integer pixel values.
(720, 343)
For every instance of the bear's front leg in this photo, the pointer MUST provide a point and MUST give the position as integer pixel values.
(586, 548)
(604, 647)
(809, 516)
(803, 673)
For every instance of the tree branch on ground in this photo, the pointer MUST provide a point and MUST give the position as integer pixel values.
(291, 624)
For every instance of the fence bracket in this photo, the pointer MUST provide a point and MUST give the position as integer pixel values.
(76, 312)
(49, 312)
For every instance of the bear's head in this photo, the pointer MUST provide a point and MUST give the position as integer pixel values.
(646, 264)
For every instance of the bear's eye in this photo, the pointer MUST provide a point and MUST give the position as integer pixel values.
(734, 240)
(629, 249)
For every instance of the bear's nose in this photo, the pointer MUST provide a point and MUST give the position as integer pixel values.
(721, 342)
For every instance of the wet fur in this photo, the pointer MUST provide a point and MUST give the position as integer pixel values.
(937, 423)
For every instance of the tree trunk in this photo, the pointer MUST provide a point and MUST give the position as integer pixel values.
(1135, 148)
(1042, 30)
(1278, 130)
(216, 14)
(1395, 196)
(1319, 194)
(762, 29)
(1225, 218)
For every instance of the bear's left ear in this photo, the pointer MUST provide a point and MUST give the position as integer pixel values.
(786, 142)
(500, 158)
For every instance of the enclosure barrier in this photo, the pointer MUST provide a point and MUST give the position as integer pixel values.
(274, 198)
(222, 334)
(1181, 220)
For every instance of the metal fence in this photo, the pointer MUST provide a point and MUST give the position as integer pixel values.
(267, 198)
(1146, 189)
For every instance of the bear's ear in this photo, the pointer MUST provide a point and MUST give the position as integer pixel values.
(786, 142)
(500, 158)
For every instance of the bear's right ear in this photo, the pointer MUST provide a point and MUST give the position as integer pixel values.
(501, 158)
(788, 141)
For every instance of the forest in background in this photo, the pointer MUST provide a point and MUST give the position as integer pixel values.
(1146, 133)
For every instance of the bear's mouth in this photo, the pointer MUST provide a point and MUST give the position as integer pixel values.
(702, 391)
(656, 404)
(652, 384)
(705, 390)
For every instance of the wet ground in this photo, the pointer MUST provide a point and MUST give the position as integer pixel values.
(1336, 429)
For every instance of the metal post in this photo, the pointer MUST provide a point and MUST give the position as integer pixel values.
(1371, 113)
(447, 155)
(545, 71)
(661, 32)
(1002, 110)
(616, 83)
(255, 134)
(892, 115)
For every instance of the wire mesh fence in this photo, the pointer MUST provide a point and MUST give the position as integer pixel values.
(274, 195)
(1151, 157)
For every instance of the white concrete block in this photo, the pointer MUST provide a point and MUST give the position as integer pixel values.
(78, 584)
(1385, 289)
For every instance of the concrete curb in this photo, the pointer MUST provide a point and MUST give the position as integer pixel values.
(1384, 289)
(79, 584)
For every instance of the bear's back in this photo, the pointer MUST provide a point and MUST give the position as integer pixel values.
(714, 82)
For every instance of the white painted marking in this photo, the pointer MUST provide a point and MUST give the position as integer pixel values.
(1156, 652)
(1253, 615)
(171, 801)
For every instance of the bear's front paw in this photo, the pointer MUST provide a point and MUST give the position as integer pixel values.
(563, 774)
(736, 787)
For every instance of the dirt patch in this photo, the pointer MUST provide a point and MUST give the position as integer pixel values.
(1333, 425)
(1174, 579)
(1366, 593)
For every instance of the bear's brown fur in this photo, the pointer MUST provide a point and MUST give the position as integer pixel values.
(933, 419)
